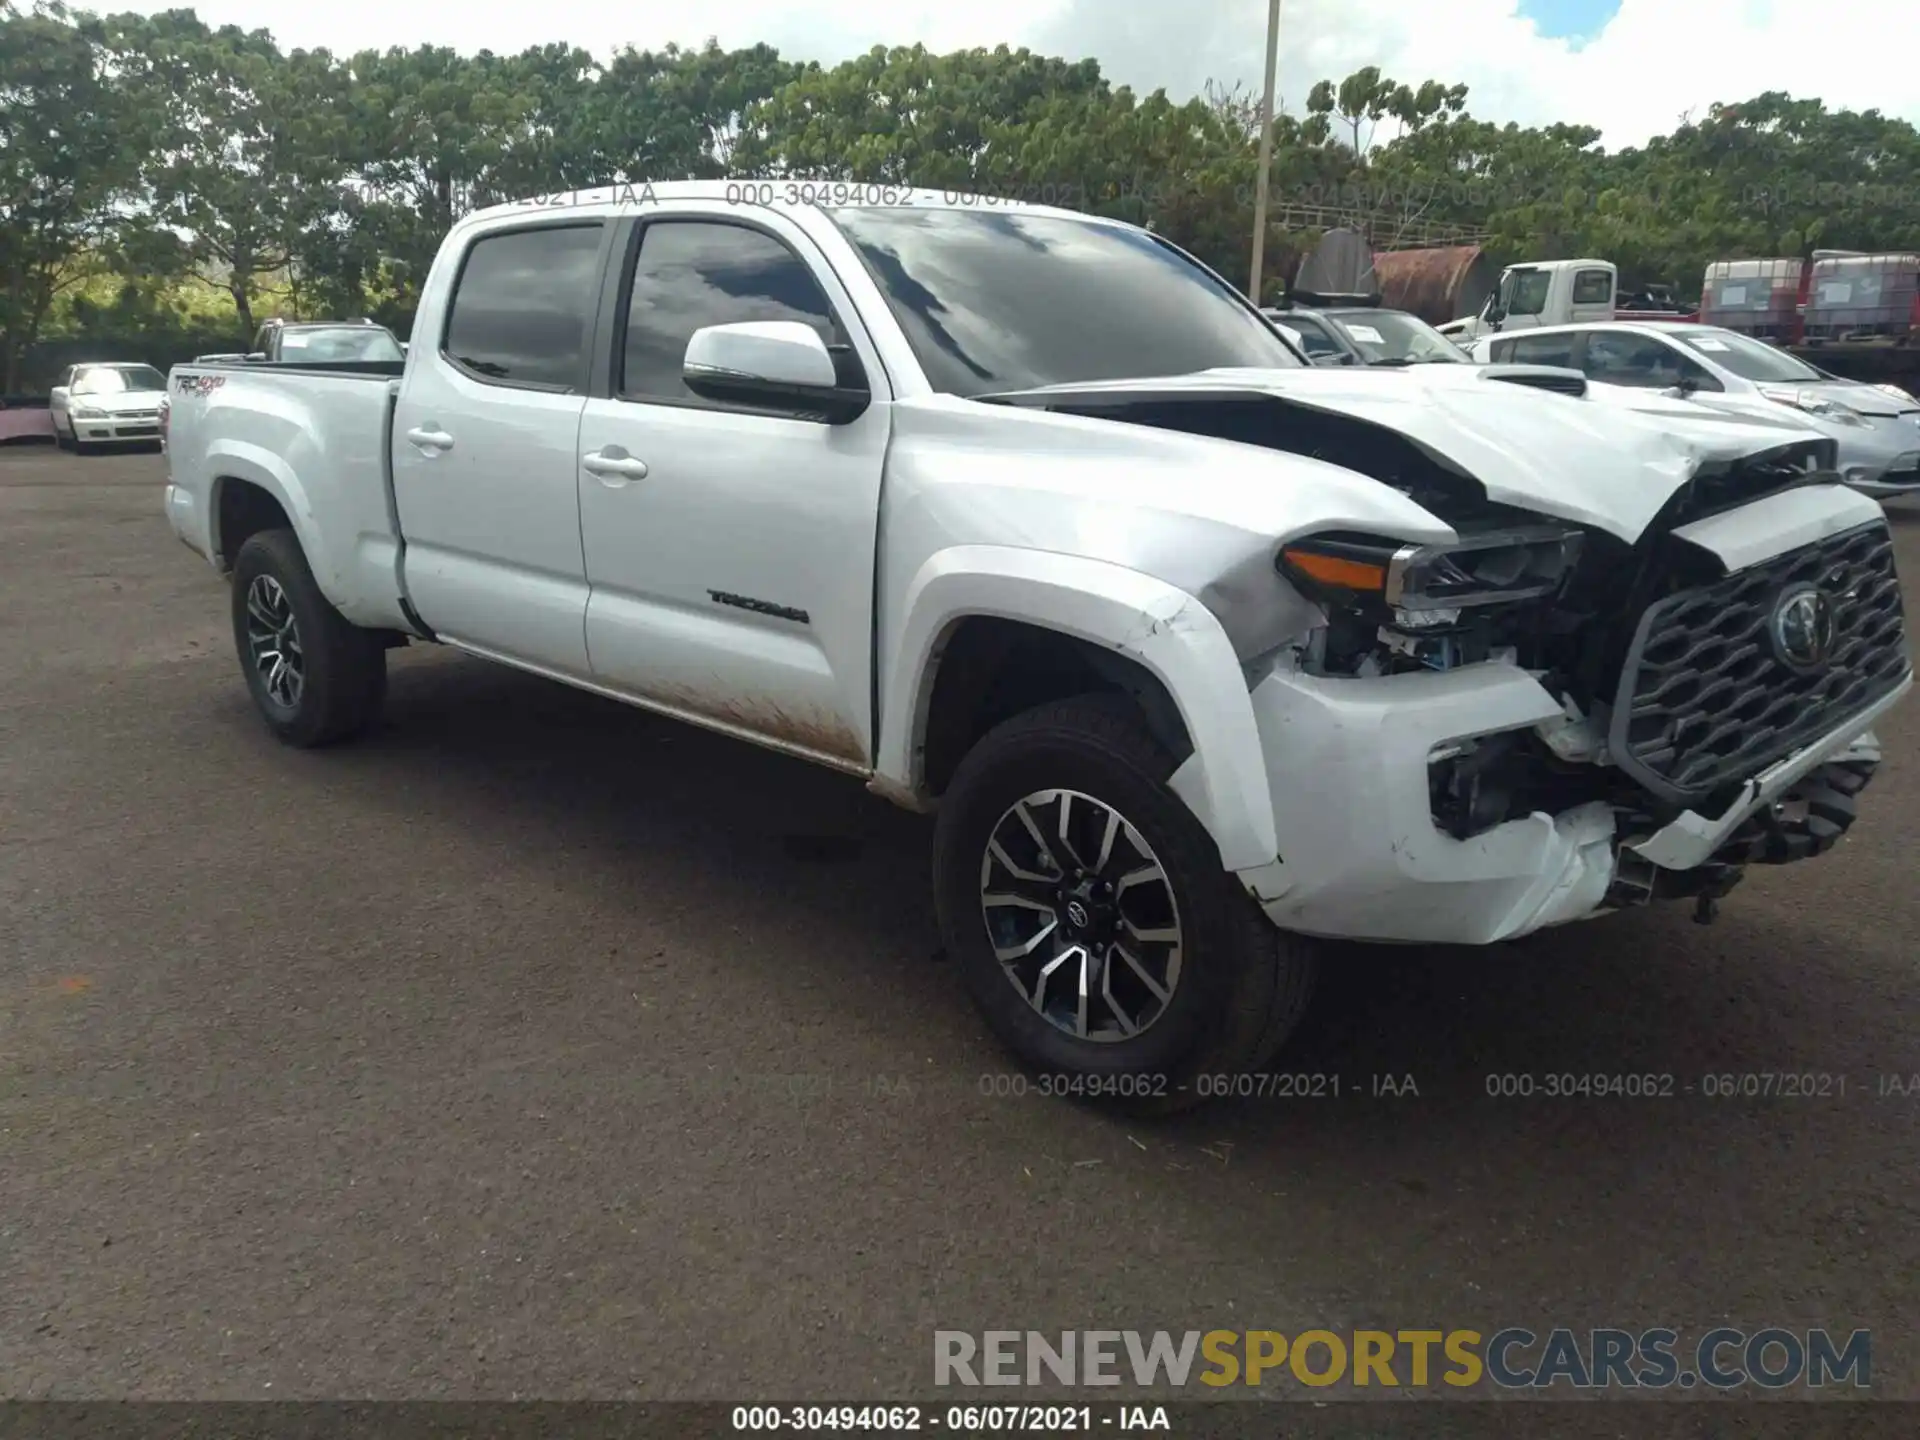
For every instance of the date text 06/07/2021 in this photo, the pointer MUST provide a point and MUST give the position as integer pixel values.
(952, 1419)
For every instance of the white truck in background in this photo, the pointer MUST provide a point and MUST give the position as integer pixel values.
(1551, 292)
(1026, 518)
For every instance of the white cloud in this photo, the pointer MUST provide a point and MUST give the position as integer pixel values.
(1656, 60)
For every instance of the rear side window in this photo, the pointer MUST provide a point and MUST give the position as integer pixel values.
(1592, 287)
(694, 273)
(1538, 350)
(523, 306)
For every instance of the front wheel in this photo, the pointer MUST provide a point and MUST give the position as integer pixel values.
(1093, 923)
(315, 677)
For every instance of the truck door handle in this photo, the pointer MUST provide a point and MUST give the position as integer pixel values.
(619, 466)
(434, 439)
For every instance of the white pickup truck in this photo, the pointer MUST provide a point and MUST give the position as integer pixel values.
(1028, 519)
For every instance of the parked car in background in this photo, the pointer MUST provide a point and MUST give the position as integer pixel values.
(100, 404)
(1875, 427)
(1365, 335)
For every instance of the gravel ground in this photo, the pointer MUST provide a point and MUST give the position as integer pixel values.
(539, 1047)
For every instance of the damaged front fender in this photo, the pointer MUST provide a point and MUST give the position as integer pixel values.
(1141, 620)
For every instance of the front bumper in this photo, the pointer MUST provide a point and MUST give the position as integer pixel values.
(1361, 857)
(1882, 457)
(144, 426)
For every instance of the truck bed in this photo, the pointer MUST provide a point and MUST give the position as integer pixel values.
(317, 439)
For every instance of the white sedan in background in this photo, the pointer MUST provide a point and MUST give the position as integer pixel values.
(98, 404)
(1877, 427)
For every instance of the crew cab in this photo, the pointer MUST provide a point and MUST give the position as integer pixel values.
(1198, 654)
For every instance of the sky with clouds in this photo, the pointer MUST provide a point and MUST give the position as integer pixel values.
(1630, 67)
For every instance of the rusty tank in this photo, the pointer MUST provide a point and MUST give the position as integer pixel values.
(1439, 283)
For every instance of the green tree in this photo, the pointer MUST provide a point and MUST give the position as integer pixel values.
(71, 153)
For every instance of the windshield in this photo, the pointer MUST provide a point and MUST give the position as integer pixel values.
(1387, 336)
(117, 380)
(994, 301)
(358, 342)
(1524, 292)
(1746, 357)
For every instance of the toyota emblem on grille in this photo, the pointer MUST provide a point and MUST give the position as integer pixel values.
(1803, 628)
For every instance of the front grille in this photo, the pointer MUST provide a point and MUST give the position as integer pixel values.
(1704, 701)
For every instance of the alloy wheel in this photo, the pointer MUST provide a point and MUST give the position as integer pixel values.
(1081, 915)
(273, 642)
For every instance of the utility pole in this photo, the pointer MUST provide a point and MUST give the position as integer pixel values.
(1266, 152)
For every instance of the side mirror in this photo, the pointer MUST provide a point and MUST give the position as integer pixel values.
(775, 364)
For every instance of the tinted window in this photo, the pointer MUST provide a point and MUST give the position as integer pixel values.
(696, 273)
(1592, 287)
(1536, 350)
(1314, 338)
(1621, 359)
(523, 304)
(993, 300)
(118, 379)
(1748, 358)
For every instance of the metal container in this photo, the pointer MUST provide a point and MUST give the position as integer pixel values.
(1438, 284)
(1761, 298)
(1863, 297)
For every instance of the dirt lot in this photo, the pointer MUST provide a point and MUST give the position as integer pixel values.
(539, 1047)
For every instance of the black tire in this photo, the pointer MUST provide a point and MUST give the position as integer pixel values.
(343, 669)
(61, 440)
(1243, 985)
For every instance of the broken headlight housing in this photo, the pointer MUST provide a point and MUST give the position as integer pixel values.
(1429, 587)
(1392, 606)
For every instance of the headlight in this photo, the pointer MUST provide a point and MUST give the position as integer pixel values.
(1423, 586)
(1813, 403)
(88, 412)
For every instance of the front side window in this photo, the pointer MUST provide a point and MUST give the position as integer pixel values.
(1524, 292)
(523, 306)
(1640, 360)
(694, 273)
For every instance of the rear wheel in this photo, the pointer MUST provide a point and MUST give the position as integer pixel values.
(1093, 923)
(315, 677)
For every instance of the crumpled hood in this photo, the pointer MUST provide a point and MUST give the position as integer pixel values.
(1591, 460)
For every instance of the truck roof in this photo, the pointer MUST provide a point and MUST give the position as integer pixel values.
(789, 196)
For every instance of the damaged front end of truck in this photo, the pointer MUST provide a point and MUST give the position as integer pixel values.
(1582, 701)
